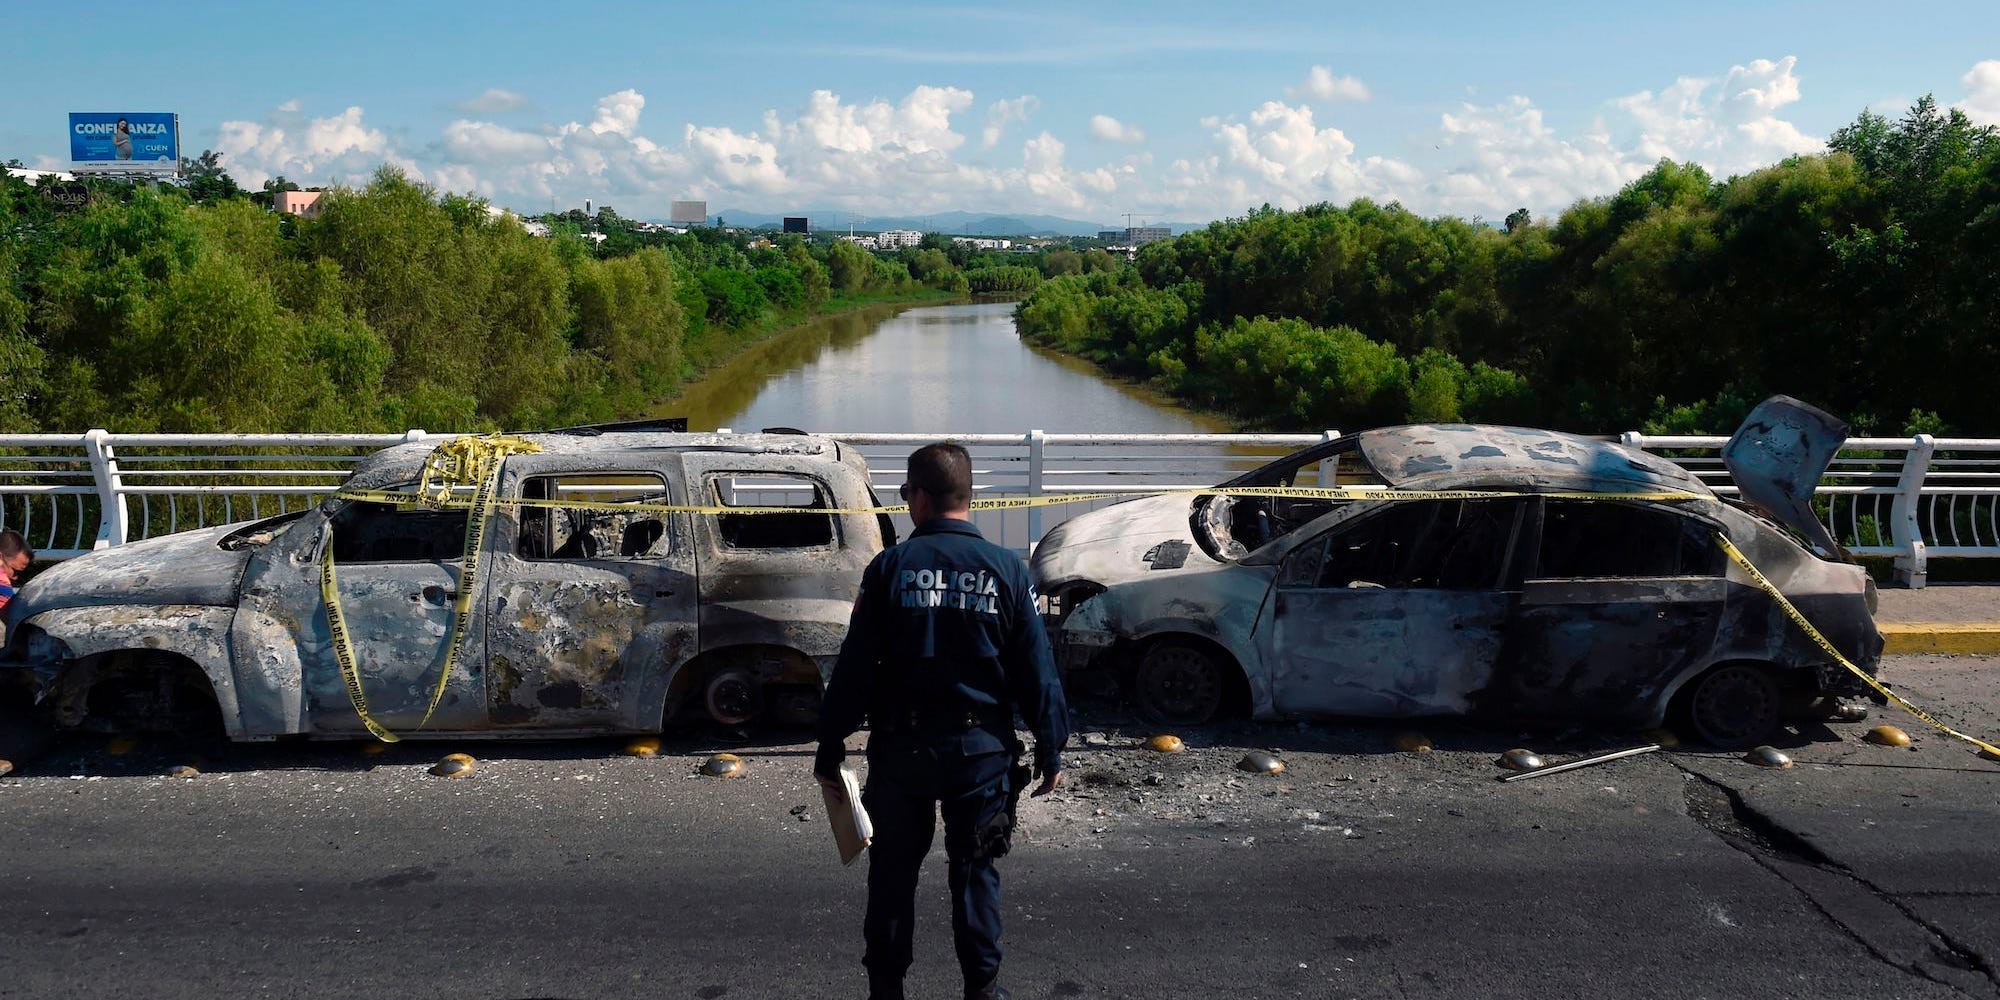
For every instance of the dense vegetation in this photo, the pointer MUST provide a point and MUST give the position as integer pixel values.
(1866, 280)
(193, 308)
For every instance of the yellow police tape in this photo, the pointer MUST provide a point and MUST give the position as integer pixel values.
(460, 461)
(343, 649)
(475, 462)
(1743, 562)
(449, 500)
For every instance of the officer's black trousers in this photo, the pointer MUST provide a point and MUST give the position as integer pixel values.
(908, 784)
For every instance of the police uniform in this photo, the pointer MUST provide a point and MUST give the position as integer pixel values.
(945, 645)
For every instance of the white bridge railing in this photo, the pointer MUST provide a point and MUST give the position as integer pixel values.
(1913, 499)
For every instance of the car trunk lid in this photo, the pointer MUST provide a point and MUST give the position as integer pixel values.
(1777, 458)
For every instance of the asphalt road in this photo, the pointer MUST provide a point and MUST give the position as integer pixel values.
(570, 871)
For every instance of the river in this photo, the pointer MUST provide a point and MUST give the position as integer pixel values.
(958, 368)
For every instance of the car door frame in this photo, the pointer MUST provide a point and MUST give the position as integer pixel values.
(1404, 679)
(281, 593)
(661, 614)
(1558, 668)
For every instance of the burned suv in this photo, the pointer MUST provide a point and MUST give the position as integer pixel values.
(1527, 574)
(586, 619)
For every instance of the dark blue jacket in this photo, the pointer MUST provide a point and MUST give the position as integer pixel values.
(946, 627)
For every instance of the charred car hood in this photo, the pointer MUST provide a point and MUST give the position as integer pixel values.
(184, 568)
(1777, 458)
(1120, 542)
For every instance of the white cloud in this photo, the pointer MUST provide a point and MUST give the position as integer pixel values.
(745, 163)
(618, 113)
(1982, 93)
(1111, 129)
(1508, 157)
(917, 153)
(1321, 84)
(1730, 126)
(871, 156)
(487, 143)
(336, 148)
(1281, 156)
(1505, 155)
(1004, 113)
(494, 101)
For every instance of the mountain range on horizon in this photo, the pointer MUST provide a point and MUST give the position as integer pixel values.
(955, 223)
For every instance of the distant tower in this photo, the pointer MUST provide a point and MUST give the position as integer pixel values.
(586, 206)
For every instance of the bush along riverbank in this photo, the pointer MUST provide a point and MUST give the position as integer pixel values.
(198, 310)
(1860, 279)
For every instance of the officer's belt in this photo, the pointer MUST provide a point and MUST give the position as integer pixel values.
(918, 720)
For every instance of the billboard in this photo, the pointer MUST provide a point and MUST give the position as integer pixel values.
(66, 197)
(125, 140)
(796, 224)
(689, 212)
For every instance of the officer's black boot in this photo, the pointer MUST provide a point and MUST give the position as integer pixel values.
(991, 991)
(885, 988)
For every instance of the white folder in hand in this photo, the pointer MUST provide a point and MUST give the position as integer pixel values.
(852, 830)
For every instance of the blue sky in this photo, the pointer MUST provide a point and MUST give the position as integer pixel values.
(1182, 111)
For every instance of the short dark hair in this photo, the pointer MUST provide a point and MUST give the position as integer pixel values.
(12, 544)
(944, 472)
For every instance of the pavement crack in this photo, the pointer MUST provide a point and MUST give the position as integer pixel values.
(1799, 863)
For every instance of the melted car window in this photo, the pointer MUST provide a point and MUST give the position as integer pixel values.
(771, 531)
(571, 533)
(1231, 527)
(1583, 539)
(1422, 545)
(365, 532)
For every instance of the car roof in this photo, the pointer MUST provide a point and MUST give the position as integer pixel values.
(1463, 456)
(401, 463)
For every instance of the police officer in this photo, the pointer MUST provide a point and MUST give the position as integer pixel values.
(944, 647)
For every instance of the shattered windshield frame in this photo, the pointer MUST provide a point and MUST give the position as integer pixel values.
(1230, 528)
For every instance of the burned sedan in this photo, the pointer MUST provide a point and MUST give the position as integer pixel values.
(584, 619)
(1525, 579)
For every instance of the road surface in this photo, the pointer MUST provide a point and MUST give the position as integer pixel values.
(567, 870)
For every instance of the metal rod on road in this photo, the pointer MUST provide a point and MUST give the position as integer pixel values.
(1580, 762)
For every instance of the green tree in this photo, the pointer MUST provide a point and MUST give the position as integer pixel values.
(205, 180)
(735, 299)
(849, 267)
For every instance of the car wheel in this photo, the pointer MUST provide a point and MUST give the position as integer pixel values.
(1735, 706)
(733, 697)
(24, 733)
(1177, 684)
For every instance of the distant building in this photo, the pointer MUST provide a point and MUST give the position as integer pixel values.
(304, 204)
(31, 175)
(1135, 236)
(981, 243)
(897, 239)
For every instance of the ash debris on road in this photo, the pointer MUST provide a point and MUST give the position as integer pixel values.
(1340, 782)
(1343, 782)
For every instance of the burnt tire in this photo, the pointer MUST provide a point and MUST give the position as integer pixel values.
(1735, 706)
(24, 733)
(733, 697)
(1177, 683)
